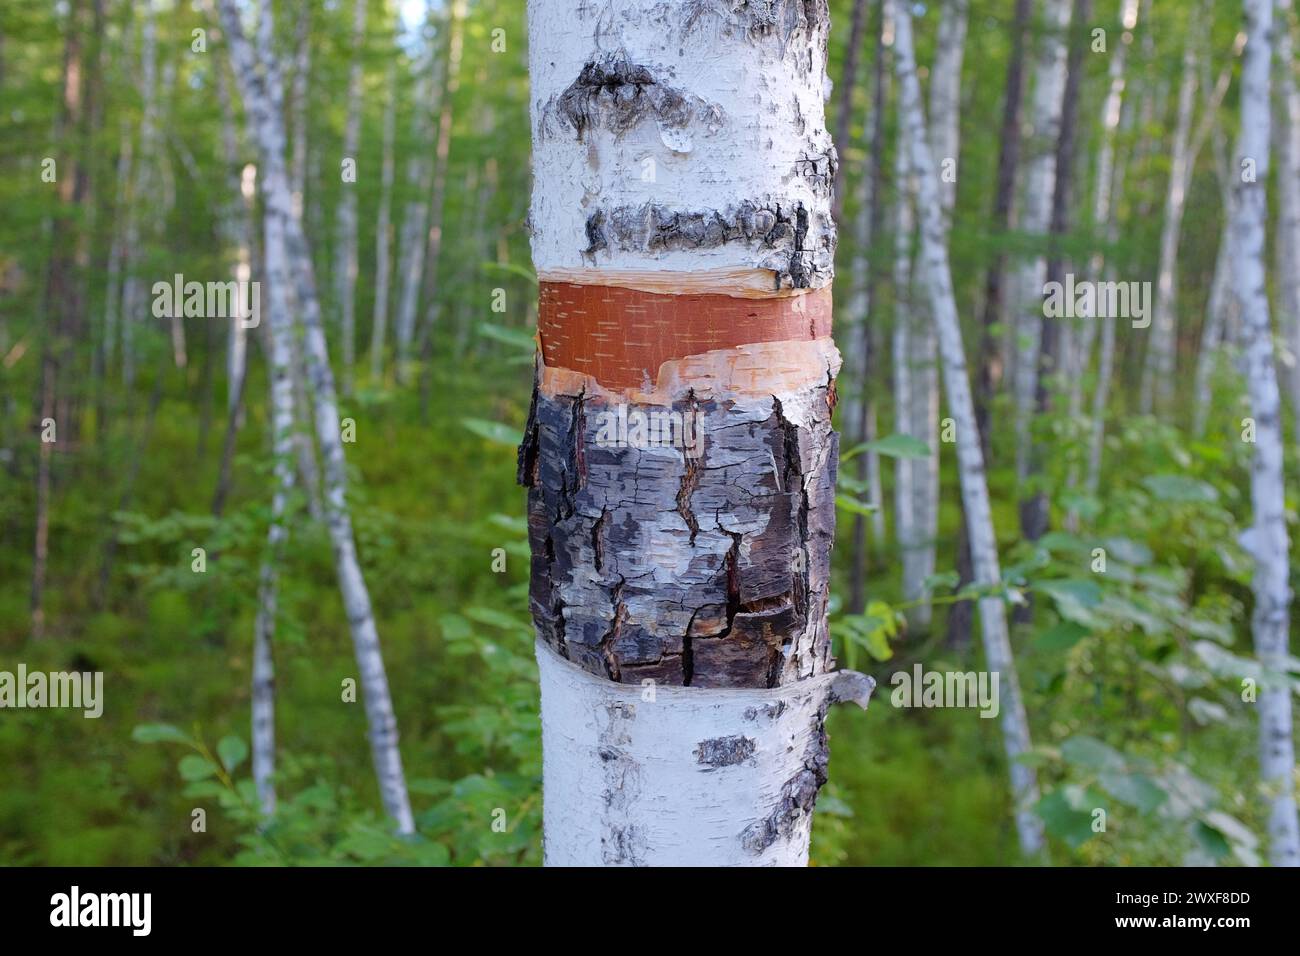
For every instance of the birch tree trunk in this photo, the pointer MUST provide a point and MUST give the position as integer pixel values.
(1035, 508)
(237, 226)
(62, 298)
(345, 263)
(1103, 211)
(905, 530)
(970, 457)
(1288, 183)
(419, 172)
(117, 247)
(1157, 379)
(146, 173)
(1215, 331)
(280, 333)
(455, 46)
(383, 234)
(1104, 216)
(304, 449)
(868, 226)
(945, 135)
(263, 96)
(1266, 540)
(679, 586)
(848, 77)
(298, 106)
(1106, 347)
(988, 364)
(1040, 185)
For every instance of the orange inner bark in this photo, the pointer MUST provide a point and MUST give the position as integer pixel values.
(621, 337)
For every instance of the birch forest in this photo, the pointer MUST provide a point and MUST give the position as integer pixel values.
(938, 355)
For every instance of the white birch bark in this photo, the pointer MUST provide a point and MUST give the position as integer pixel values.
(1157, 379)
(442, 153)
(1036, 215)
(263, 96)
(1215, 334)
(345, 263)
(1266, 540)
(1103, 211)
(970, 458)
(945, 136)
(133, 296)
(1106, 347)
(298, 107)
(237, 228)
(383, 234)
(117, 248)
(280, 333)
(419, 174)
(860, 418)
(688, 777)
(1288, 187)
(304, 448)
(905, 530)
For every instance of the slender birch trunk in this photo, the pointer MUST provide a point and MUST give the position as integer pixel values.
(945, 135)
(345, 267)
(61, 302)
(970, 457)
(867, 227)
(1157, 379)
(419, 174)
(383, 233)
(1215, 332)
(1035, 508)
(304, 448)
(1103, 207)
(1106, 345)
(133, 298)
(237, 227)
(679, 586)
(989, 366)
(905, 532)
(1288, 183)
(263, 96)
(280, 329)
(1104, 219)
(117, 247)
(455, 46)
(298, 106)
(1267, 538)
(848, 77)
(1040, 185)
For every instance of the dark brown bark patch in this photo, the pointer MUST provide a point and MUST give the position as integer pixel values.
(724, 751)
